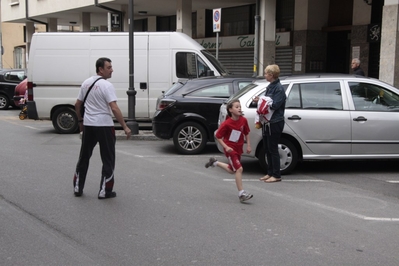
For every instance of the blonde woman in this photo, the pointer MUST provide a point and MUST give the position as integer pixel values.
(272, 130)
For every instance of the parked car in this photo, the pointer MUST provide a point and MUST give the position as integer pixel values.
(9, 79)
(19, 92)
(188, 111)
(328, 117)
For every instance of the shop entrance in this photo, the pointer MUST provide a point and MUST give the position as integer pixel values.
(338, 52)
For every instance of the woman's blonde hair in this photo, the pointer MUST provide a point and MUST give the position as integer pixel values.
(274, 70)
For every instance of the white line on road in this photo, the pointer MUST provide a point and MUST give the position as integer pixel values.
(32, 127)
(393, 181)
(323, 206)
(285, 180)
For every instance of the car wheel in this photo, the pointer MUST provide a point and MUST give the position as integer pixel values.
(4, 102)
(288, 156)
(189, 138)
(65, 120)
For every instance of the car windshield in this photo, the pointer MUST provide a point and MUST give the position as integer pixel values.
(243, 91)
(219, 67)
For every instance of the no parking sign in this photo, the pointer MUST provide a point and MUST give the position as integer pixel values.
(217, 16)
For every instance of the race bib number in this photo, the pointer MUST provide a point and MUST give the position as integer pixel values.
(235, 135)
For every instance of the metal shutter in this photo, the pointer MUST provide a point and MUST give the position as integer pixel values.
(241, 61)
(237, 61)
(284, 60)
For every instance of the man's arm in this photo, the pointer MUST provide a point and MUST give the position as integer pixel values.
(78, 106)
(119, 117)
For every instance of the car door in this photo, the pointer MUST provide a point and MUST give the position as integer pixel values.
(375, 119)
(315, 113)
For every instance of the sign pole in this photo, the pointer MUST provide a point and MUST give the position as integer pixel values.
(217, 45)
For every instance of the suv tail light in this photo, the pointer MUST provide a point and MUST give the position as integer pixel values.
(164, 103)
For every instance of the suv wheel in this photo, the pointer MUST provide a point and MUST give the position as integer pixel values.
(189, 138)
(288, 156)
(65, 120)
(4, 102)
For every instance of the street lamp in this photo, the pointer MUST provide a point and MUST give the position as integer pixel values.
(131, 92)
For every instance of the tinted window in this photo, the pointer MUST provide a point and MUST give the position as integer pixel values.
(219, 91)
(370, 97)
(202, 68)
(320, 95)
(185, 65)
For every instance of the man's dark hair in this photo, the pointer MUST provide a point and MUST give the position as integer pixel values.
(101, 62)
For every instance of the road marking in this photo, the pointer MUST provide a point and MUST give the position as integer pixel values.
(393, 181)
(285, 180)
(353, 214)
(32, 127)
(323, 206)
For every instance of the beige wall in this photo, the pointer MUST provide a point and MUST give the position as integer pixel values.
(13, 36)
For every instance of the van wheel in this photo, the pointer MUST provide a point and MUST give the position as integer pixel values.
(189, 138)
(4, 102)
(65, 120)
(288, 156)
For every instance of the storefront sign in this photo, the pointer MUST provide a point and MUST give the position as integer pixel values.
(242, 41)
(115, 22)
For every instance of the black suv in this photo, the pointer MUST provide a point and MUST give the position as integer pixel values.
(188, 112)
(9, 79)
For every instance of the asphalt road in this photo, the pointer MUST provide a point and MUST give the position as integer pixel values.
(170, 210)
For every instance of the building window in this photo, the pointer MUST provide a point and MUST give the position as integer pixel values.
(285, 10)
(166, 23)
(235, 21)
(141, 25)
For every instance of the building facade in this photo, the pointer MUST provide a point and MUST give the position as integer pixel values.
(302, 36)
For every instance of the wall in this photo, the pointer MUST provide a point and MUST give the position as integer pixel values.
(13, 36)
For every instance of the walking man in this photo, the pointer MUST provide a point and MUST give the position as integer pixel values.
(98, 99)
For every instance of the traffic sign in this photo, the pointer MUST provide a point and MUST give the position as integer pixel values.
(217, 17)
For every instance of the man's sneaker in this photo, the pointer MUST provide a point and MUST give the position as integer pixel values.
(212, 160)
(78, 194)
(108, 195)
(245, 196)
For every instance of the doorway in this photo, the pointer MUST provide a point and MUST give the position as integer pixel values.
(338, 52)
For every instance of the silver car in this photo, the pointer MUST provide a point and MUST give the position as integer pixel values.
(328, 116)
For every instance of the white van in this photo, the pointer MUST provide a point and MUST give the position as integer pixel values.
(59, 63)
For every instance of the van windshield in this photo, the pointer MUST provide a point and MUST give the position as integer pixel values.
(220, 68)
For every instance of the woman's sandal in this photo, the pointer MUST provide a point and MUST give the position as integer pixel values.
(266, 177)
(272, 179)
